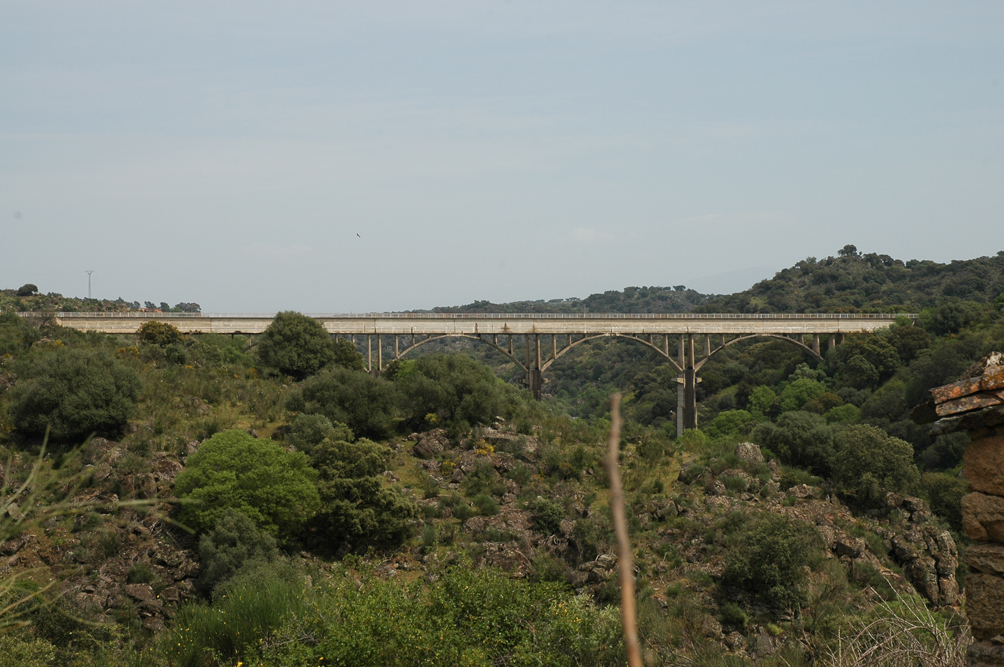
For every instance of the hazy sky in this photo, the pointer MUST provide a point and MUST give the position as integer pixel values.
(229, 153)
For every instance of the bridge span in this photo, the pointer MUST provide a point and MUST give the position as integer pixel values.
(532, 341)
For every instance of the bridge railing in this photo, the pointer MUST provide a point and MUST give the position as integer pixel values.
(500, 316)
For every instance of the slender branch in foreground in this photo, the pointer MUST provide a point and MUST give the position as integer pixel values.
(624, 558)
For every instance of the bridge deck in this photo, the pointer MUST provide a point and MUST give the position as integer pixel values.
(494, 323)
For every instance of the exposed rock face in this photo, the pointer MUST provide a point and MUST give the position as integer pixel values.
(747, 451)
(431, 443)
(983, 517)
(927, 553)
(984, 461)
(985, 605)
(975, 404)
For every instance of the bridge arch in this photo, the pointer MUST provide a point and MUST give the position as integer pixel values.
(812, 353)
(585, 338)
(491, 344)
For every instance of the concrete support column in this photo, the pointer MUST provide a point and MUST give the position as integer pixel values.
(815, 343)
(707, 346)
(379, 354)
(832, 343)
(534, 374)
(680, 382)
(554, 346)
(689, 387)
(369, 353)
(397, 348)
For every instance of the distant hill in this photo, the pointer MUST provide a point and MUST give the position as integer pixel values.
(853, 282)
(28, 298)
(677, 299)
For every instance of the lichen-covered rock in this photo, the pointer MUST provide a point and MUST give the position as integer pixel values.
(983, 517)
(431, 443)
(747, 451)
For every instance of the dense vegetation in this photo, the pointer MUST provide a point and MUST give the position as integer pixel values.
(439, 515)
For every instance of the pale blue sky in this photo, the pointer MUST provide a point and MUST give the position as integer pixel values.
(229, 152)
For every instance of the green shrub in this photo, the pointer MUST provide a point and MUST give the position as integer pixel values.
(486, 504)
(457, 389)
(944, 492)
(356, 509)
(75, 393)
(767, 557)
(17, 650)
(157, 333)
(800, 439)
(872, 463)
(307, 431)
(733, 614)
(731, 422)
(364, 403)
(250, 608)
(547, 516)
(141, 573)
(297, 345)
(233, 542)
(236, 471)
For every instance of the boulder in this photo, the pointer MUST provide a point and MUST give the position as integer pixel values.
(432, 443)
(747, 451)
(983, 517)
(851, 547)
(715, 488)
(140, 592)
(805, 491)
(984, 464)
(986, 559)
(984, 602)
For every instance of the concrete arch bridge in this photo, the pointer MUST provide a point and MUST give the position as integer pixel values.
(533, 341)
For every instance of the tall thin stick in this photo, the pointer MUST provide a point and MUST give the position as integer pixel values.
(623, 543)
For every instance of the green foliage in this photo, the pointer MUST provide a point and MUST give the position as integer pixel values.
(309, 430)
(456, 388)
(485, 504)
(761, 400)
(731, 422)
(871, 463)
(356, 509)
(364, 403)
(768, 556)
(159, 333)
(848, 413)
(236, 471)
(141, 573)
(734, 615)
(944, 492)
(28, 289)
(233, 542)
(297, 345)
(18, 650)
(75, 392)
(800, 439)
(800, 392)
(469, 617)
(252, 606)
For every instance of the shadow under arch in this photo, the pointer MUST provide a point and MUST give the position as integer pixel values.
(812, 353)
(490, 344)
(585, 338)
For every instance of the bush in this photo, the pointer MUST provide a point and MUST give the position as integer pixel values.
(251, 607)
(159, 333)
(486, 504)
(731, 422)
(944, 492)
(28, 289)
(233, 542)
(236, 471)
(297, 345)
(75, 393)
(456, 388)
(307, 431)
(24, 651)
(364, 403)
(767, 558)
(547, 516)
(356, 509)
(800, 439)
(871, 463)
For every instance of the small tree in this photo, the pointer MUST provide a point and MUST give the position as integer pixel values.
(159, 333)
(233, 542)
(362, 402)
(27, 290)
(870, 463)
(297, 345)
(768, 557)
(233, 470)
(357, 509)
(75, 393)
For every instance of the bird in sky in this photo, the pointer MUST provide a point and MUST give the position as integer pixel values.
(357, 234)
